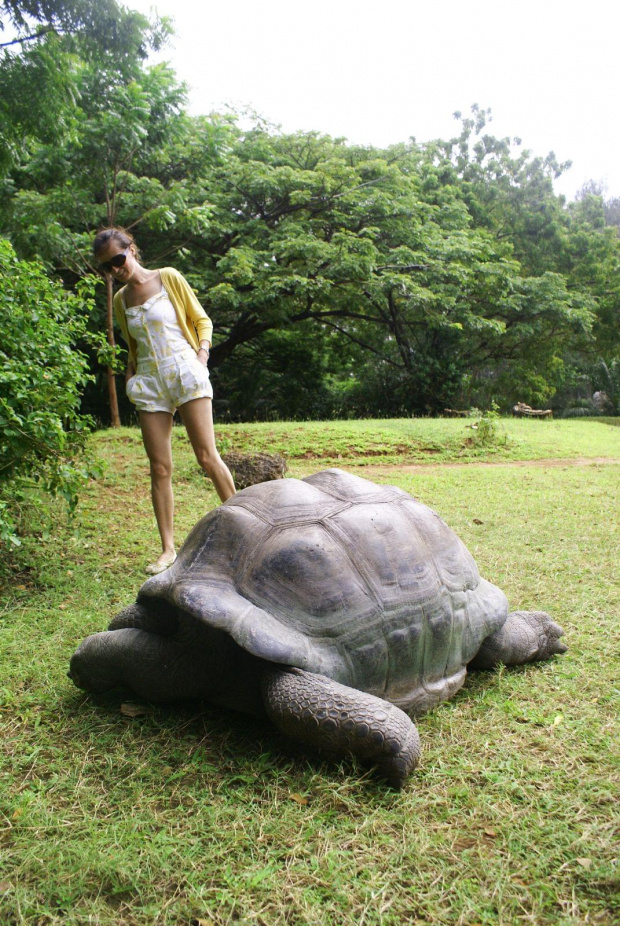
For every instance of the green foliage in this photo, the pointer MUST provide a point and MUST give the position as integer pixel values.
(610, 206)
(71, 188)
(376, 247)
(280, 375)
(42, 376)
(342, 280)
(591, 263)
(48, 44)
(487, 430)
(106, 30)
(606, 380)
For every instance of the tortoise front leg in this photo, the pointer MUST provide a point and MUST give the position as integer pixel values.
(325, 714)
(526, 636)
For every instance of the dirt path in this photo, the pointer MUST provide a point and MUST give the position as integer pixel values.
(381, 468)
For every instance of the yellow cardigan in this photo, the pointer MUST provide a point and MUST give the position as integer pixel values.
(193, 320)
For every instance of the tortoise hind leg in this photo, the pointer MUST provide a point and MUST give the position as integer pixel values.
(154, 667)
(526, 636)
(325, 714)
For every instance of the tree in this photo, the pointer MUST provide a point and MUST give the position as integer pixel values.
(47, 42)
(99, 177)
(591, 264)
(377, 247)
(106, 30)
(606, 380)
(507, 189)
(302, 233)
(611, 205)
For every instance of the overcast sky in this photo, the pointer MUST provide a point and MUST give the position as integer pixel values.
(378, 73)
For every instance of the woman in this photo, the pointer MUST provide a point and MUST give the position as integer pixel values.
(168, 335)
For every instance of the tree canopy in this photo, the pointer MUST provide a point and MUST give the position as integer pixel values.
(44, 44)
(341, 279)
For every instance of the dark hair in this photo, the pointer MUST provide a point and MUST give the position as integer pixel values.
(105, 235)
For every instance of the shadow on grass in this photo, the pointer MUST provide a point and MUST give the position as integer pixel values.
(200, 742)
(614, 422)
(197, 739)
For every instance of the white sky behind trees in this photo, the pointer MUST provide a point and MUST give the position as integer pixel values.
(380, 72)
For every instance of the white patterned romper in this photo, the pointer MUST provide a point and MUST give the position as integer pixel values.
(169, 372)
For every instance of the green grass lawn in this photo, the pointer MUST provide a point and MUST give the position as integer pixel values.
(193, 815)
(420, 440)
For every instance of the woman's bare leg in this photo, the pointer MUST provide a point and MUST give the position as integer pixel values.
(197, 416)
(157, 434)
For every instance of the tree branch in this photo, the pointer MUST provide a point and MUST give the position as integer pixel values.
(28, 38)
(359, 343)
(403, 267)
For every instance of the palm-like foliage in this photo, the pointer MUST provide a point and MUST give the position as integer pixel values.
(606, 382)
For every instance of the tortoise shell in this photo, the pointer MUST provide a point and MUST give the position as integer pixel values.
(341, 577)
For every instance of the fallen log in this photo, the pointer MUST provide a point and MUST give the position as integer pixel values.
(521, 410)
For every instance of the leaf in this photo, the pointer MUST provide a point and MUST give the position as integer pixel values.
(465, 843)
(492, 834)
(557, 720)
(5, 886)
(260, 876)
(134, 710)
(584, 862)
(299, 799)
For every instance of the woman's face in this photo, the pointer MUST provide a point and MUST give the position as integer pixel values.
(112, 249)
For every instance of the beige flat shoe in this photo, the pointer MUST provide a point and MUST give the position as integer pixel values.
(153, 569)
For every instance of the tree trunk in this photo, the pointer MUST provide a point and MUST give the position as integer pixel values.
(115, 419)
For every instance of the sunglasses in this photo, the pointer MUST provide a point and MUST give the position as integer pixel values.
(116, 262)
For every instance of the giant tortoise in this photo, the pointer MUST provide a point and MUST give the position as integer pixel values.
(332, 605)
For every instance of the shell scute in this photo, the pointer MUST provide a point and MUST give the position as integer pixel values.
(303, 575)
(353, 488)
(299, 502)
(382, 547)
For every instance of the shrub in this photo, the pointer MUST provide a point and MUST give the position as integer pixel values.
(487, 431)
(42, 376)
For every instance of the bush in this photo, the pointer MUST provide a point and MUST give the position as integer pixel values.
(487, 431)
(42, 377)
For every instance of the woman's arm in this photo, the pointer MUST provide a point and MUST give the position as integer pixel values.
(203, 352)
(193, 310)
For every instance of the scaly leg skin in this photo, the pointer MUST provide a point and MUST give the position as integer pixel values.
(325, 714)
(527, 636)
